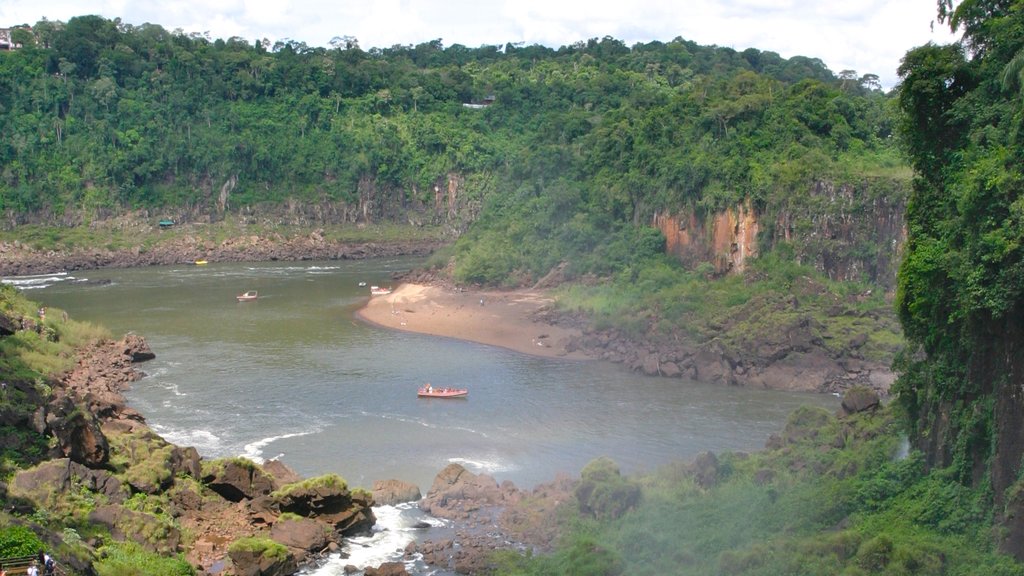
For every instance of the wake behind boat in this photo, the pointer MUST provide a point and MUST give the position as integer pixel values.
(429, 391)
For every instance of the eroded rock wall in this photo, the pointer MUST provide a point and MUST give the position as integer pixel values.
(848, 232)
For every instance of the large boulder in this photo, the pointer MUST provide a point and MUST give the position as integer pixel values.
(186, 462)
(391, 492)
(301, 534)
(860, 399)
(456, 492)
(62, 475)
(327, 499)
(237, 479)
(255, 561)
(78, 433)
(137, 348)
(150, 532)
(281, 473)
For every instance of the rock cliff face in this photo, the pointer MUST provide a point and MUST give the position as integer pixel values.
(848, 232)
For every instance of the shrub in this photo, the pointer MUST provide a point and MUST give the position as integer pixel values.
(331, 481)
(264, 547)
(129, 559)
(18, 541)
(603, 493)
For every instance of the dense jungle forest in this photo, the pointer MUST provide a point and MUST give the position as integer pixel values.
(559, 155)
(566, 156)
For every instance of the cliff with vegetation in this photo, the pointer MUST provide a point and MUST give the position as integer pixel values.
(579, 145)
(961, 286)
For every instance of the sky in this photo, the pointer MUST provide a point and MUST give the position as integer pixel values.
(867, 36)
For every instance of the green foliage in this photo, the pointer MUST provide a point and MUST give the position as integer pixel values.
(960, 292)
(216, 466)
(329, 481)
(143, 458)
(129, 559)
(265, 547)
(775, 296)
(603, 493)
(17, 541)
(835, 496)
(582, 144)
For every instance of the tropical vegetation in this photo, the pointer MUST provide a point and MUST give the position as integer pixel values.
(561, 161)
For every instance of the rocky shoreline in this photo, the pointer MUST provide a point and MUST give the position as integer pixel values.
(18, 259)
(792, 357)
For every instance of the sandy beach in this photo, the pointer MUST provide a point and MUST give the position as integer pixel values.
(504, 319)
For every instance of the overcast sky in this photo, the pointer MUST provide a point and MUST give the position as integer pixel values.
(865, 35)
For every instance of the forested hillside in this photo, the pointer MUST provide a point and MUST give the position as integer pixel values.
(565, 151)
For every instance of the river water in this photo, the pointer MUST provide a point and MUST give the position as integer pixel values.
(296, 376)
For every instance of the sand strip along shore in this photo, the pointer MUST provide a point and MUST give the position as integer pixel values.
(504, 319)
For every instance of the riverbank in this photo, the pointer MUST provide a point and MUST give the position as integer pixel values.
(508, 319)
(145, 245)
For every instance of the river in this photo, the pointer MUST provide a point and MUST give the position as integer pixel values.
(296, 376)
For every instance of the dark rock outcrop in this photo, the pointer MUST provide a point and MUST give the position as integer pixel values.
(64, 475)
(347, 512)
(144, 529)
(238, 480)
(78, 433)
(136, 348)
(456, 492)
(859, 399)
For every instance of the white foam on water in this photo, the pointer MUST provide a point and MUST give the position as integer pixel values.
(204, 441)
(36, 281)
(485, 466)
(254, 450)
(391, 534)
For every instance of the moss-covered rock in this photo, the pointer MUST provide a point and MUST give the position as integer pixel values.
(261, 557)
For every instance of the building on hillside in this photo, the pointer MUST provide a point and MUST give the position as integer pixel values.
(5, 40)
(478, 104)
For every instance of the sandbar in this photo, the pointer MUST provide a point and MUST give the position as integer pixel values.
(497, 318)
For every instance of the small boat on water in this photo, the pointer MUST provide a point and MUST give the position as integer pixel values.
(378, 291)
(429, 391)
(248, 296)
(200, 262)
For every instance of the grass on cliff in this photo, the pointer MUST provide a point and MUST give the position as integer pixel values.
(129, 559)
(659, 300)
(831, 496)
(47, 347)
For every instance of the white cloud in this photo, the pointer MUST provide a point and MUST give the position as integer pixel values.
(868, 36)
